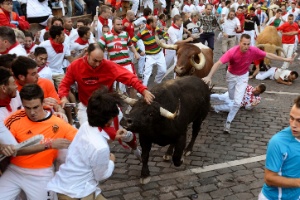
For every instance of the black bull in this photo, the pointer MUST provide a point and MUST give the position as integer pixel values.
(193, 96)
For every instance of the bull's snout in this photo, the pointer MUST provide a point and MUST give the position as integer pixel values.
(126, 122)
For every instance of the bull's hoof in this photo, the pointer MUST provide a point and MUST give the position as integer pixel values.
(167, 157)
(187, 153)
(145, 180)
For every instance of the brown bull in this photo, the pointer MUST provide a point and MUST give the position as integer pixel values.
(270, 42)
(192, 59)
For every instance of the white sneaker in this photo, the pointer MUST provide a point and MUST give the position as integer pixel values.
(138, 154)
(227, 128)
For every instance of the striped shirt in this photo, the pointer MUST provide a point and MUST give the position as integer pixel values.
(208, 22)
(117, 46)
(149, 40)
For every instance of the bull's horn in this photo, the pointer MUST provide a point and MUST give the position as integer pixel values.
(260, 45)
(126, 99)
(163, 45)
(282, 50)
(202, 61)
(168, 114)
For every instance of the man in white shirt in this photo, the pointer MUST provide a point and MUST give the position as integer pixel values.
(82, 40)
(103, 19)
(175, 37)
(189, 7)
(225, 10)
(231, 24)
(69, 30)
(80, 175)
(41, 57)
(38, 11)
(282, 76)
(176, 9)
(295, 11)
(8, 42)
(235, 5)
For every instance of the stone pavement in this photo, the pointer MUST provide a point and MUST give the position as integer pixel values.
(222, 166)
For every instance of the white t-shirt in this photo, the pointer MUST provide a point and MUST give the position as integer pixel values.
(200, 9)
(18, 50)
(229, 26)
(235, 6)
(189, 9)
(99, 28)
(175, 11)
(15, 104)
(87, 163)
(224, 13)
(46, 73)
(282, 73)
(55, 60)
(38, 9)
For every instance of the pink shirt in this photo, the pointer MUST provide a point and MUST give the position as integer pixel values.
(239, 62)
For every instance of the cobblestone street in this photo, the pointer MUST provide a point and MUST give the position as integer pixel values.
(222, 166)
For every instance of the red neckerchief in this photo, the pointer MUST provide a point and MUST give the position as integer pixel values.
(41, 68)
(6, 103)
(150, 28)
(28, 49)
(58, 48)
(162, 23)
(251, 15)
(293, 10)
(112, 131)
(10, 48)
(146, 17)
(103, 21)
(258, 12)
(201, 4)
(80, 41)
(189, 4)
(283, 13)
(47, 28)
(67, 32)
(175, 26)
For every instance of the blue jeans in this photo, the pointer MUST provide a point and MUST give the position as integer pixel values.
(17, 8)
(78, 7)
(209, 37)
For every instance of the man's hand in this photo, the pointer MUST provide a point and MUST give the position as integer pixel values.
(61, 116)
(148, 96)
(112, 157)
(7, 150)
(63, 101)
(120, 134)
(207, 80)
(60, 143)
(137, 56)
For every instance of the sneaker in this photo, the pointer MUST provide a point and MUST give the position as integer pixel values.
(138, 154)
(227, 128)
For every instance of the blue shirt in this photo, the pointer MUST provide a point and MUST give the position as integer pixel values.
(283, 157)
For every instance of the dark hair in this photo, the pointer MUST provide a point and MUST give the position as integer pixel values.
(28, 34)
(176, 18)
(297, 102)
(83, 30)
(161, 16)
(227, 3)
(252, 8)
(245, 36)
(82, 21)
(150, 20)
(241, 7)
(55, 30)
(262, 88)
(93, 47)
(5, 74)
(147, 11)
(39, 51)
(57, 19)
(21, 65)
(294, 73)
(31, 91)
(6, 60)
(291, 15)
(103, 9)
(278, 10)
(105, 26)
(102, 106)
(46, 36)
(87, 21)
(7, 33)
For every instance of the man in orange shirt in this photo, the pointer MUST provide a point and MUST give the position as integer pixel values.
(289, 29)
(25, 71)
(31, 173)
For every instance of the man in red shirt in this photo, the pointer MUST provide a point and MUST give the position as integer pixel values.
(10, 18)
(127, 23)
(289, 29)
(93, 72)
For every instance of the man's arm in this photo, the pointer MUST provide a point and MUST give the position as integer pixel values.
(274, 180)
(279, 80)
(64, 87)
(255, 72)
(279, 58)
(213, 70)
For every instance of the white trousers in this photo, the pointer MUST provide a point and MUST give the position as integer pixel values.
(261, 196)
(268, 74)
(151, 60)
(81, 114)
(289, 50)
(170, 57)
(122, 87)
(141, 64)
(236, 89)
(252, 35)
(221, 102)
(135, 6)
(32, 181)
(148, 3)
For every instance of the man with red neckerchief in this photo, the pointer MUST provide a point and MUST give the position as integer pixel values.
(82, 41)
(8, 43)
(103, 19)
(127, 23)
(175, 37)
(10, 18)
